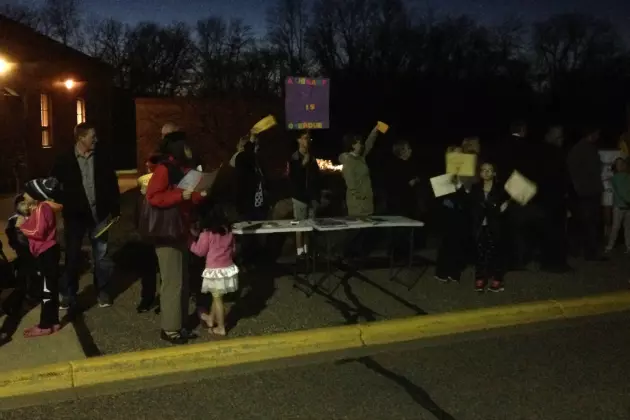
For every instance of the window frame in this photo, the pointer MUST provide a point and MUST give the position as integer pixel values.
(45, 113)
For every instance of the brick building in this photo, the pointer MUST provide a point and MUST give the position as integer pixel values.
(46, 88)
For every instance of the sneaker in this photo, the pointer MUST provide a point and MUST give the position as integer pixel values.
(441, 279)
(480, 285)
(453, 279)
(496, 286)
(65, 303)
(145, 305)
(175, 337)
(104, 301)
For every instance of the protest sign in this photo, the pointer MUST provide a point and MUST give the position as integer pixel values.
(462, 164)
(521, 189)
(307, 103)
(443, 185)
(382, 127)
(198, 181)
(264, 124)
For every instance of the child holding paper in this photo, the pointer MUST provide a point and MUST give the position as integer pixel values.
(488, 202)
(451, 259)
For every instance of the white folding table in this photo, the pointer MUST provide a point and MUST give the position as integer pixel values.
(327, 225)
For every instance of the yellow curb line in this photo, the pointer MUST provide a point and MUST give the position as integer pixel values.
(151, 363)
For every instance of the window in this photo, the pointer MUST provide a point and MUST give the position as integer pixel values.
(80, 111)
(46, 117)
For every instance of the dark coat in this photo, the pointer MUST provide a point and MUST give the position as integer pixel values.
(305, 180)
(73, 197)
(488, 208)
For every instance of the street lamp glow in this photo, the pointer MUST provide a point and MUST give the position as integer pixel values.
(69, 84)
(4, 66)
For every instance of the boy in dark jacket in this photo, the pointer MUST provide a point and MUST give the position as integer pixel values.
(305, 186)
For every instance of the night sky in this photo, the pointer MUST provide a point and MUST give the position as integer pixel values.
(253, 11)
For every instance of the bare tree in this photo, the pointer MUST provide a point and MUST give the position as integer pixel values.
(287, 25)
(159, 59)
(107, 41)
(220, 49)
(62, 20)
(572, 42)
(25, 15)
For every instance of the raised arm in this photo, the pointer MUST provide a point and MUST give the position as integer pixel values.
(371, 139)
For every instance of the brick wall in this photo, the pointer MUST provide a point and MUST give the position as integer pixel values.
(213, 126)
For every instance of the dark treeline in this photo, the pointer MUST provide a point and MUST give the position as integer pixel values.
(430, 77)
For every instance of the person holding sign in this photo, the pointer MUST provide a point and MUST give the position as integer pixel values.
(305, 186)
(488, 202)
(359, 194)
(169, 228)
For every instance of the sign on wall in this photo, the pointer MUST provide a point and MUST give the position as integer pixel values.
(307, 103)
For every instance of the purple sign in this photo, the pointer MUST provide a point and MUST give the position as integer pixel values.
(306, 103)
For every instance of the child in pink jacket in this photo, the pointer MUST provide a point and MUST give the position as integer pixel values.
(40, 228)
(216, 244)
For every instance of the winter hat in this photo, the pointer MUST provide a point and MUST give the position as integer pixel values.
(42, 189)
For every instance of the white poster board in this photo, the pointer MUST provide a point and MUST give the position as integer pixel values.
(608, 157)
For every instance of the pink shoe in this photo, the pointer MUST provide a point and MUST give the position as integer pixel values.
(35, 331)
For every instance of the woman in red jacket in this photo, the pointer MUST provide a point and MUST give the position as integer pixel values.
(170, 232)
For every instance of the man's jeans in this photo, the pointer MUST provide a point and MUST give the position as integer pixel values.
(103, 265)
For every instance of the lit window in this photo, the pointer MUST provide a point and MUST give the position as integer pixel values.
(80, 111)
(46, 117)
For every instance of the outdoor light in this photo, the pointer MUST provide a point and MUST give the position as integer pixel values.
(4, 66)
(69, 84)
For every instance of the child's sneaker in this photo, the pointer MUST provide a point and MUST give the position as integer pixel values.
(496, 286)
(480, 285)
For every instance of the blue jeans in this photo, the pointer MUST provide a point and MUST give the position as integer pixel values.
(74, 233)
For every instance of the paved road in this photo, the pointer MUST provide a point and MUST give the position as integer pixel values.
(572, 371)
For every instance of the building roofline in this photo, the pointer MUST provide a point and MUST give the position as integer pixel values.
(79, 55)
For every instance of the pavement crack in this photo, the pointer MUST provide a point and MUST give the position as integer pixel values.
(560, 306)
(363, 343)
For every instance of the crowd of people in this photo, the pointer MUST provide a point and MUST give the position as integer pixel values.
(481, 225)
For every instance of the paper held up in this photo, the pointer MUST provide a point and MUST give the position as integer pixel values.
(462, 164)
(382, 127)
(443, 185)
(198, 181)
(521, 189)
(264, 124)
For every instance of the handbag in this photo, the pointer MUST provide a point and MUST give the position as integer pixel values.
(160, 224)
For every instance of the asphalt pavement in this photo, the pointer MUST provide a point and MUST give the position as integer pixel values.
(573, 370)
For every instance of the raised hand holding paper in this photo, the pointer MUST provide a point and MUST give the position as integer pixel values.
(264, 124)
(463, 164)
(382, 127)
(521, 189)
(443, 185)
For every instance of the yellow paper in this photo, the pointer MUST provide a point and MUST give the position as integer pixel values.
(462, 164)
(382, 127)
(264, 124)
(143, 182)
(443, 185)
(105, 228)
(521, 189)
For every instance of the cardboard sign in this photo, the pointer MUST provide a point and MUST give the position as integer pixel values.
(442, 185)
(306, 103)
(198, 181)
(382, 127)
(462, 164)
(521, 189)
(264, 124)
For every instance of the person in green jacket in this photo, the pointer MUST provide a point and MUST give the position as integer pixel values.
(621, 204)
(359, 195)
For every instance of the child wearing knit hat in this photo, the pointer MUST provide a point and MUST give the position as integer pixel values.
(40, 227)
